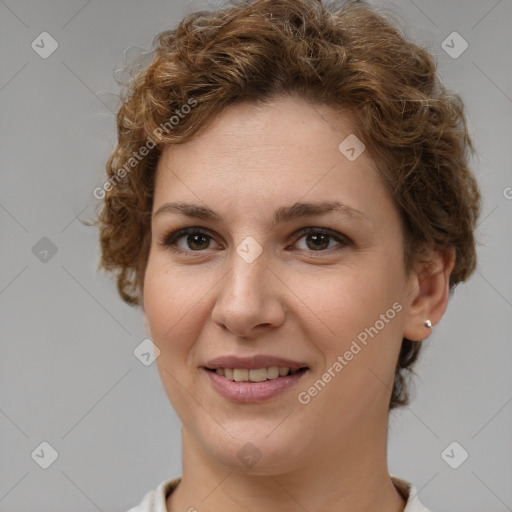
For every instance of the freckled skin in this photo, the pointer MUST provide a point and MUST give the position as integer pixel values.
(306, 305)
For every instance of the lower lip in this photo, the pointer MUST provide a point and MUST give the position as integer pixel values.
(253, 391)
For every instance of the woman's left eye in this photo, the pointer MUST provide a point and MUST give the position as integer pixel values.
(197, 239)
(318, 239)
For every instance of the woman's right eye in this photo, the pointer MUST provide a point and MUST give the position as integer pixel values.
(191, 240)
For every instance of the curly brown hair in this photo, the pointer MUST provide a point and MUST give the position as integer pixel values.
(345, 56)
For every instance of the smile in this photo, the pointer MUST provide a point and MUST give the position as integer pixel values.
(255, 375)
(254, 385)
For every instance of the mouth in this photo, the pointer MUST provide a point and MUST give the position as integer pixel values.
(244, 385)
(256, 374)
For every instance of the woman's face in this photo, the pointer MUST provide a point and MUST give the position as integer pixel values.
(247, 281)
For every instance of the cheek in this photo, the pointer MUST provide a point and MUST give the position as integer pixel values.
(348, 309)
(157, 298)
(172, 307)
(352, 297)
(359, 311)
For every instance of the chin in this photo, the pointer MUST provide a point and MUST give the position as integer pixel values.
(257, 451)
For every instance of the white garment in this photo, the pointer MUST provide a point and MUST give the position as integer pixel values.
(155, 500)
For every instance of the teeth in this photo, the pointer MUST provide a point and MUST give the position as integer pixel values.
(272, 372)
(240, 375)
(258, 375)
(254, 375)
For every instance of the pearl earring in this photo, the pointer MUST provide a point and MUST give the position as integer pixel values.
(428, 324)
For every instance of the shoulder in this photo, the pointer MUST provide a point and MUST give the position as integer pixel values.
(155, 500)
(410, 495)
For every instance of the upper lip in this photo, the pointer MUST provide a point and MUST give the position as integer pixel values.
(253, 362)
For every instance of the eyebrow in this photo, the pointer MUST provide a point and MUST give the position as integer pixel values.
(282, 214)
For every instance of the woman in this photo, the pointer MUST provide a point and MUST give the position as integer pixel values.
(290, 203)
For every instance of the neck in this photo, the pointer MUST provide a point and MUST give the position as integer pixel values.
(342, 476)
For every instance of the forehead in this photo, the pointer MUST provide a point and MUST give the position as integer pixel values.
(283, 151)
(282, 122)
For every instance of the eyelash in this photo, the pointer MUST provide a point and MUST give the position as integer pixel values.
(169, 240)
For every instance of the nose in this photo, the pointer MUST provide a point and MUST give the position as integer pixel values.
(251, 298)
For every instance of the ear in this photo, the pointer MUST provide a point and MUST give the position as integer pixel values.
(428, 294)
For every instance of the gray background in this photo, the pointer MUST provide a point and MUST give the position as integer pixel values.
(68, 375)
